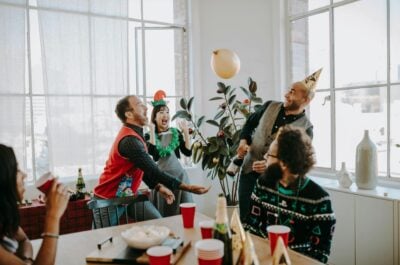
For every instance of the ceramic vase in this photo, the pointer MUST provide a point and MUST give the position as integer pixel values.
(344, 177)
(366, 163)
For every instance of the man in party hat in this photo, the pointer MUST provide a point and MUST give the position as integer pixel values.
(260, 130)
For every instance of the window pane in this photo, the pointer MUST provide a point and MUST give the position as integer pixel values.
(163, 62)
(65, 45)
(135, 59)
(70, 135)
(320, 116)
(395, 131)
(109, 49)
(360, 43)
(358, 110)
(159, 10)
(73, 5)
(41, 135)
(395, 40)
(106, 127)
(301, 6)
(113, 8)
(134, 7)
(12, 42)
(310, 48)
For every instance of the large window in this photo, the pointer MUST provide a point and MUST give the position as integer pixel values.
(356, 43)
(64, 64)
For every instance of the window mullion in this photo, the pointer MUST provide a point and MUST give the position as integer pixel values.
(388, 122)
(332, 87)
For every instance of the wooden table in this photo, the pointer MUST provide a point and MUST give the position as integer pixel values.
(73, 248)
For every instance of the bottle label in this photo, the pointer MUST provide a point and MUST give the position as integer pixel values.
(221, 228)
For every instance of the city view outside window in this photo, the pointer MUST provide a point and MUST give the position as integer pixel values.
(66, 63)
(356, 43)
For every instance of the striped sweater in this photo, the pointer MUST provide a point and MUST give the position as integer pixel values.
(306, 210)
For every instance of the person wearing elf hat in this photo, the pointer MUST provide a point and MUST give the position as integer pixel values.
(165, 144)
(129, 163)
(260, 130)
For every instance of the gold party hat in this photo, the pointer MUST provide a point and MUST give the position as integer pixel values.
(310, 81)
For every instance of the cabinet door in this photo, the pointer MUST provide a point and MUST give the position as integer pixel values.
(343, 248)
(374, 231)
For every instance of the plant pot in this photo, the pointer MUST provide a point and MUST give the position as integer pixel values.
(230, 209)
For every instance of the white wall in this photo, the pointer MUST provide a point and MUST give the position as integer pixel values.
(250, 28)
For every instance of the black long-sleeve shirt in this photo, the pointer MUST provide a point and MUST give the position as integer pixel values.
(133, 149)
(281, 120)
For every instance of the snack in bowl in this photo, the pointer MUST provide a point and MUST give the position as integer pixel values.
(143, 237)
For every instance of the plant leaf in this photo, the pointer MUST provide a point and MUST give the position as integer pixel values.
(232, 99)
(228, 88)
(182, 114)
(183, 103)
(213, 122)
(189, 105)
(221, 88)
(200, 121)
(219, 114)
(257, 100)
(223, 121)
(245, 91)
(215, 98)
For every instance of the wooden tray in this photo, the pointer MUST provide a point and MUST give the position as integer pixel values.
(118, 252)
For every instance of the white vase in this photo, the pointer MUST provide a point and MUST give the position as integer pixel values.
(366, 163)
(344, 177)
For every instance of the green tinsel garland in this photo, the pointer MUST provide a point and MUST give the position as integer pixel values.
(164, 151)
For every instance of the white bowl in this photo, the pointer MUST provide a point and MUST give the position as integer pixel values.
(143, 237)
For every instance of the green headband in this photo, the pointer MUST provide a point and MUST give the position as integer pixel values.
(159, 103)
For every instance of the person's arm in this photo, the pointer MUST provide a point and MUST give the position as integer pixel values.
(321, 231)
(151, 148)
(133, 149)
(184, 144)
(310, 132)
(25, 250)
(56, 203)
(252, 123)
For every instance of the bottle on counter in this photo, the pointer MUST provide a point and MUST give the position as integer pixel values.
(222, 230)
(80, 185)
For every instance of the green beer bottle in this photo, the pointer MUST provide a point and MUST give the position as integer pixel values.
(222, 231)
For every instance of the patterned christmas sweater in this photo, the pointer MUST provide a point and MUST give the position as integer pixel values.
(306, 210)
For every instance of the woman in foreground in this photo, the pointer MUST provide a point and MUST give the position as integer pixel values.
(15, 247)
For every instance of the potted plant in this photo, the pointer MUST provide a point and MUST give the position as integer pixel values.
(216, 152)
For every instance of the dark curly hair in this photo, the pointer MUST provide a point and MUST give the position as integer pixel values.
(122, 106)
(9, 215)
(295, 149)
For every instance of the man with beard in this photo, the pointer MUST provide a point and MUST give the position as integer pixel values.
(260, 130)
(284, 195)
(129, 162)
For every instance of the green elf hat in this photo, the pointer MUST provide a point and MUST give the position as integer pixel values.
(159, 98)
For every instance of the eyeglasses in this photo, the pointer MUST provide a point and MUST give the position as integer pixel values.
(274, 156)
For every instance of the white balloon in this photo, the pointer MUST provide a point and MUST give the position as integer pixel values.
(225, 63)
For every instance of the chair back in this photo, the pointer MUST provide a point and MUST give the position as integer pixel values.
(106, 210)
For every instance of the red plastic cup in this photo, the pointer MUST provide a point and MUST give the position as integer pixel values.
(44, 182)
(209, 251)
(159, 255)
(188, 210)
(210, 262)
(206, 228)
(276, 231)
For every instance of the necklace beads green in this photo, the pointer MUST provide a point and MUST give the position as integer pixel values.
(164, 151)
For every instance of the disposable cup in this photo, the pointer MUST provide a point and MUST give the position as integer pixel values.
(44, 182)
(276, 231)
(188, 211)
(209, 251)
(159, 255)
(206, 228)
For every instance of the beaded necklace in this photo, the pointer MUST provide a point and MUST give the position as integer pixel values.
(278, 216)
(164, 151)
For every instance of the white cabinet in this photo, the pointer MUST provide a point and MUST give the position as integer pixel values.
(343, 247)
(366, 230)
(374, 231)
